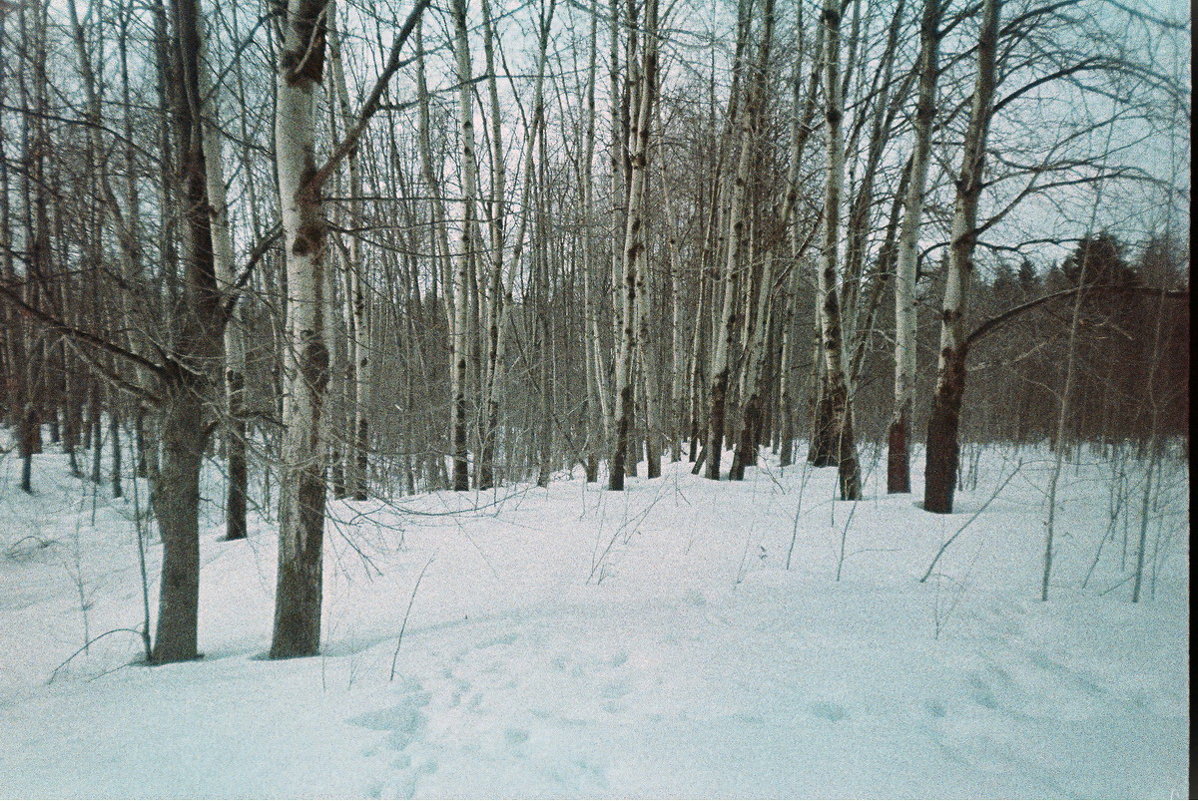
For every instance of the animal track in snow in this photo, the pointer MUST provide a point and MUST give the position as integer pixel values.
(829, 711)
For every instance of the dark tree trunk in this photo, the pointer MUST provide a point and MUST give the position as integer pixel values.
(176, 507)
(187, 378)
(139, 433)
(746, 448)
(29, 426)
(114, 436)
(97, 432)
(615, 479)
(898, 457)
(236, 491)
(821, 452)
(715, 443)
(940, 478)
(362, 457)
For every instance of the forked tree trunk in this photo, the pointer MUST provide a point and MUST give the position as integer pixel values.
(943, 445)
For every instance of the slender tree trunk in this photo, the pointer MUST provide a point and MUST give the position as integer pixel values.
(787, 374)
(725, 334)
(645, 77)
(460, 339)
(114, 442)
(357, 361)
(647, 353)
(222, 249)
(494, 317)
(306, 375)
(898, 465)
(836, 392)
(676, 405)
(943, 448)
(595, 410)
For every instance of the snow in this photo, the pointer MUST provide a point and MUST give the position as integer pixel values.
(573, 642)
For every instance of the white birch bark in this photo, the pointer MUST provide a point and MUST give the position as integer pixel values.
(460, 335)
(830, 323)
(898, 477)
(306, 360)
(493, 301)
(596, 408)
(634, 246)
(726, 333)
(943, 447)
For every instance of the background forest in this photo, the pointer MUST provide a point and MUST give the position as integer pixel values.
(358, 250)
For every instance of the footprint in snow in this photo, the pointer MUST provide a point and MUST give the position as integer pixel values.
(981, 692)
(829, 711)
(1081, 679)
(405, 787)
(936, 709)
(404, 720)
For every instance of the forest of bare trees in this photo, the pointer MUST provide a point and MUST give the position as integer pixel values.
(359, 250)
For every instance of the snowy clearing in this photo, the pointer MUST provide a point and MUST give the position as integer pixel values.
(574, 642)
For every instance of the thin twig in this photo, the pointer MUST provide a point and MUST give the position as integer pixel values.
(84, 647)
(949, 541)
(403, 626)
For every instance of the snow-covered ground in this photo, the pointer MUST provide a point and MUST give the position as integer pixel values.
(681, 639)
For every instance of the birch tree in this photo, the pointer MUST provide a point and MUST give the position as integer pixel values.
(234, 330)
(725, 335)
(634, 246)
(300, 74)
(840, 411)
(898, 473)
(943, 448)
(462, 285)
(299, 78)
